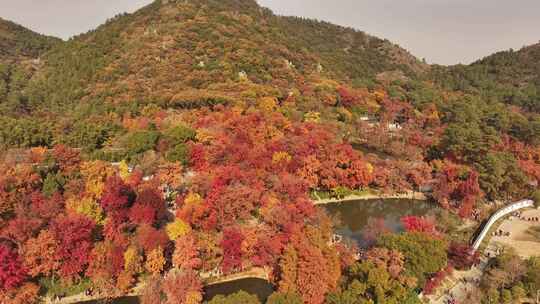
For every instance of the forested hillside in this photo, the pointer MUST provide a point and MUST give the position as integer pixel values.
(20, 52)
(511, 77)
(191, 137)
(17, 42)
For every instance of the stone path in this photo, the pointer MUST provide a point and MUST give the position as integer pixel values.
(459, 284)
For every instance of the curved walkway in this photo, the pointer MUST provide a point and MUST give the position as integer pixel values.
(497, 216)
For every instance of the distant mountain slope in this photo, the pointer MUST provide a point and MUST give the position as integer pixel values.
(518, 68)
(170, 48)
(510, 76)
(20, 50)
(191, 54)
(18, 42)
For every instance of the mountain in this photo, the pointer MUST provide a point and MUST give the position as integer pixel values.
(170, 49)
(17, 42)
(188, 55)
(193, 136)
(510, 76)
(20, 53)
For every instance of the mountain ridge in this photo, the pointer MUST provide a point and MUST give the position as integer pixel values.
(18, 42)
(277, 43)
(198, 53)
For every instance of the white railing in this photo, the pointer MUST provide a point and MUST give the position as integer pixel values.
(498, 215)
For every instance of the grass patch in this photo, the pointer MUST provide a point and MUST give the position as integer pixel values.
(54, 287)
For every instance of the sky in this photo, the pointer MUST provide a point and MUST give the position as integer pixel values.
(441, 31)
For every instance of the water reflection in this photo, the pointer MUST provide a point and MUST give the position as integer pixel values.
(360, 219)
(261, 288)
(258, 287)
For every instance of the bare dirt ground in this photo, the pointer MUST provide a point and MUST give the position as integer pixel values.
(523, 242)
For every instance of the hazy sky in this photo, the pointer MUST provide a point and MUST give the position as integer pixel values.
(442, 31)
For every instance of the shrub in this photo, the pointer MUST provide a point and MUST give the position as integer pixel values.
(180, 134)
(284, 298)
(141, 141)
(536, 198)
(180, 153)
(240, 297)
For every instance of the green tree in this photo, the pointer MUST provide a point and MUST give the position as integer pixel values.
(180, 134)
(240, 297)
(88, 136)
(179, 153)
(141, 141)
(468, 140)
(25, 132)
(519, 293)
(493, 296)
(500, 174)
(369, 283)
(424, 254)
(284, 298)
(51, 184)
(506, 296)
(536, 198)
(532, 277)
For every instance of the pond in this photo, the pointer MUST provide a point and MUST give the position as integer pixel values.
(258, 287)
(356, 217)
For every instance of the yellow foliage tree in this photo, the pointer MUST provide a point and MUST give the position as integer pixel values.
(344, 114)
(177, 229)
(204, 136)
(193, 297)
(155, 261)
(370, 168)
(281, 156)
(268, 104)
(193, 199)
(123, 169)
(132, 260)
(86, 206)
(312, 117)
(96, 173)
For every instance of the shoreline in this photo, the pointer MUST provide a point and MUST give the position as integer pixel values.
(253, 273)
(353, 197)
(256, 273)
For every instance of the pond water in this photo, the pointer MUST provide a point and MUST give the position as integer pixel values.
(124, 300)
(258, 287)
(355, 218)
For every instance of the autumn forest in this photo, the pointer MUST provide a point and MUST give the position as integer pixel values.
(194, 140)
